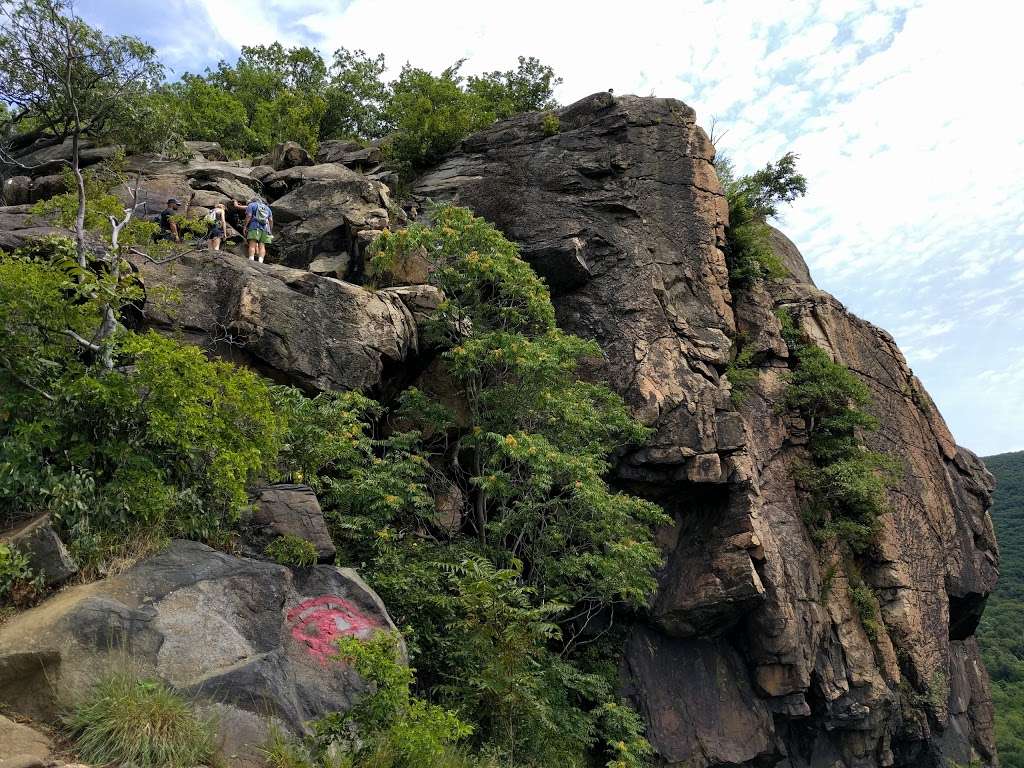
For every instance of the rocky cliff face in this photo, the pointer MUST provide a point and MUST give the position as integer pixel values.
(753, 653)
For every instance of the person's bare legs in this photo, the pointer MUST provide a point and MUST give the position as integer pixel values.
(215, 242)
(263, 252)
(252, 245)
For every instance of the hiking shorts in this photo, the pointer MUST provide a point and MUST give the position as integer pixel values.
(260, 236)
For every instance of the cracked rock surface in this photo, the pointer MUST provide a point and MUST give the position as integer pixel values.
(247, 640)
(753, 653)
(315, 332)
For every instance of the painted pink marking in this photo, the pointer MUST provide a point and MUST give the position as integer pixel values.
(319, 621)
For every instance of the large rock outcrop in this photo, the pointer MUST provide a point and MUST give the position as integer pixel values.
(316, 332)
(329, 210)
(622, 214)
(250, 641)
(753, 653)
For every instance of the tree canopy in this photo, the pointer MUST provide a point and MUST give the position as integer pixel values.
(62, 77)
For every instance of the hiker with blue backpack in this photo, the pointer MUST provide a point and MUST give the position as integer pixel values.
(258, 228)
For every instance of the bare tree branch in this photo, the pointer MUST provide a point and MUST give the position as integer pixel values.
(81, 341)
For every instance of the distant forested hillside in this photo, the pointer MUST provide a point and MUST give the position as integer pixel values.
(1002, 629)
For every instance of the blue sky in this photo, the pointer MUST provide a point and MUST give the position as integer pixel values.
(907, 117)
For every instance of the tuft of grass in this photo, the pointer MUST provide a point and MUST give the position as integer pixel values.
(292, 550)
(125, 720)
(282, 751)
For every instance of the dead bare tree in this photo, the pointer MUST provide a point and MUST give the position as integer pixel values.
(715, 132)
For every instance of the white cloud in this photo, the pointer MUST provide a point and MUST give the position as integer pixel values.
(924, 354)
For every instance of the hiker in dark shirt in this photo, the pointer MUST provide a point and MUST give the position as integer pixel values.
(168, 226)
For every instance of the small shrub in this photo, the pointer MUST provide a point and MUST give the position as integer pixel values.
(750, 256)
(125, 720)
(743, 374)
(850, 495)
(17, 583)
(282, 751)
(866, 605)
(293, 551)
(752, 199)
(386, 728)
(788, 328)
(550, 124)
(848, 483)
(826, 392)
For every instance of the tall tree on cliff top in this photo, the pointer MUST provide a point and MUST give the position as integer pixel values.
(65, 80)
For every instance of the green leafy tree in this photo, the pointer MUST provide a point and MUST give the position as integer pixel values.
(545, 545)
(538, 435)
(273, 94)
(209, 113)
(164, 443)
(356, 96)
(292, 116)
(752, 199)
(496, 605)
(281, 91)
(265, 72)
(430, 114)
(528, 88)
(70, 80)
(777, 183)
